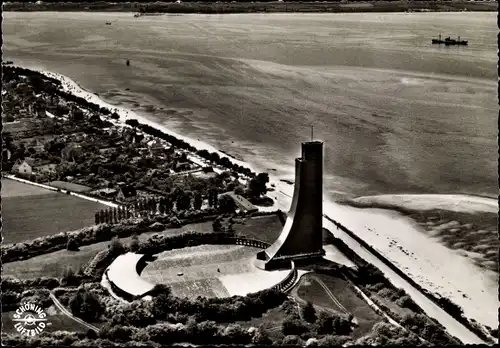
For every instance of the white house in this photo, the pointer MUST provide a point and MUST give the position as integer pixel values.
(24, 167)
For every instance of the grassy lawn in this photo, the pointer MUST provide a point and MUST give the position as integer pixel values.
(12, 188)
(311, 291)
(55, 321)
(264, 228)
(31, 216)
(365, 316)
(52, 264)
(392, 305)
(271, 321)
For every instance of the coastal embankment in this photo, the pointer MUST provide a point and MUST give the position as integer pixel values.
(428, 269)
(220, 7)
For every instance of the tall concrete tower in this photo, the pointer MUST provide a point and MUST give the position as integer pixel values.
(302, 235)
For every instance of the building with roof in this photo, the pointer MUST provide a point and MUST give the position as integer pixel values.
(24, 166)
(127, 193)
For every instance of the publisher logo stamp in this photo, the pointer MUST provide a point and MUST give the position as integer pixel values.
(30, 319)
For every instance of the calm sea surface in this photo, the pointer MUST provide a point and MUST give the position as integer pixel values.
(397, 114)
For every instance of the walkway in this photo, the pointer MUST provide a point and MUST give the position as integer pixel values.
(67, 313)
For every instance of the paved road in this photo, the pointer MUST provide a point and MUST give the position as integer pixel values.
(67, 313)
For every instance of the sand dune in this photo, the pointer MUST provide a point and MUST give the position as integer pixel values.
(459, 203)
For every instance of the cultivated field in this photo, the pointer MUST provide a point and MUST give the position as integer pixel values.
(309, 289)
(12, 188)
(30, 213)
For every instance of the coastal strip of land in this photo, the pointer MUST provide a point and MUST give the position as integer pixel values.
(281, 193)
(219, 7)
(282, 200)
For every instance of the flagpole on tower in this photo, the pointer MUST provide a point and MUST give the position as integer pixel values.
(312, 132)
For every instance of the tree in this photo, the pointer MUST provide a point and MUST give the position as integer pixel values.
(96, 218)
(309, 313)
(216, 225)
(86, 305)
(257, 185)
(293, 326)
(116, 247)
(72, 245)
(198, 201)
(324, 324)
(134, 243)
(239, 191)
(68, 277)
(226, 204)
(292, 340)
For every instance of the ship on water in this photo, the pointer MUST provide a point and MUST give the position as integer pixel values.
(449, 41)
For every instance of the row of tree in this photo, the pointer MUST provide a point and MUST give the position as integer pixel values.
(113, 215)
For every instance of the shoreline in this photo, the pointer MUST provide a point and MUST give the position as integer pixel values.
(151, 8)
(354, 219)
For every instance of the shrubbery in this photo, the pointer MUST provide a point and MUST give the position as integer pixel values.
(86, 305)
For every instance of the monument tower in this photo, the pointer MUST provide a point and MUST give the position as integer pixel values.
(302, 235)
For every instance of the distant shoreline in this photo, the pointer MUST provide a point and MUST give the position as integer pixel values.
(344, 6)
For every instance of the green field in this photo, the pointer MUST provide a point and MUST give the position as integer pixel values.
(52, 264)
(12, 188)
(310, 290)
(29, 213)
(265, 228)
(362, 312)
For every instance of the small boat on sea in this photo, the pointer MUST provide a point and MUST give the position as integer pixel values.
(449, 41)
(108, 23)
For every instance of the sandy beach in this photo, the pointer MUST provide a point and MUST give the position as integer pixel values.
(433, 266)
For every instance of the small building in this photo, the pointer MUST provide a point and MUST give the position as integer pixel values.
(105, 192)
(241, 202)
(127, 193)
(24, 166)
(156, 148)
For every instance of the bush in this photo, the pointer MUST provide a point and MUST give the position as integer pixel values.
(72, 245)
(333, 341)
(116, 247)
(309, 313)
(292, 340)
(293, 326)
(86, 305)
